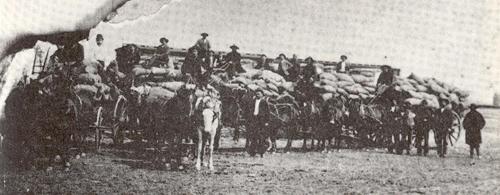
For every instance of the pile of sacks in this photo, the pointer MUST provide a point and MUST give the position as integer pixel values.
(272, 84)
(361, 85)
(89, 83)
(140, 72)
(430, 89)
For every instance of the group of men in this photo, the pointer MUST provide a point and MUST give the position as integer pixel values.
(201, 61)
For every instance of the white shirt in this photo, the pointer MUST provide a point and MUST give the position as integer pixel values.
(342, 66)
(256, 110)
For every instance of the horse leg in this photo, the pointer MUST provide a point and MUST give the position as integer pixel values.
(210, 152)
(217, 137)
(204, 148)
(199, 149)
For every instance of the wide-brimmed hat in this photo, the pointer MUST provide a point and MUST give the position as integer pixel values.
(234, 47)
(473, 106)
(204, 34)
(99, 37)
(385, 66)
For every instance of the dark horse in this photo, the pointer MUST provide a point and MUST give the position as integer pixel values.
(372, 122)
(40, 117)
(172, 122)
(331, 123)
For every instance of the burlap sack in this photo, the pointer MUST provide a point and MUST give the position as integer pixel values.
(172, 86)
(328, 76)
(344, 77)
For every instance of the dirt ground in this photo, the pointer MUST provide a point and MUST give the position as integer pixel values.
(120, 171)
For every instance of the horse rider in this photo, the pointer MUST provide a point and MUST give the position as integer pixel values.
(443, 126)
(423, 124)
(233, 60)
(385, 79)
(203, 45)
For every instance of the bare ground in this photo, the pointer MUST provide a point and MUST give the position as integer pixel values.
(347, 171)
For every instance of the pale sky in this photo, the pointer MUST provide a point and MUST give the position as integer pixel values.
(456, 41)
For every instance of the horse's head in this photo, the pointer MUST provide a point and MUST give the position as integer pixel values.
(138, 94)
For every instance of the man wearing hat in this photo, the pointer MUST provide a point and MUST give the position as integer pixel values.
(160, 57)
(259, 122)
(385, 79)
(342, 66)
(444, 123)
(203, 46)
(233, 60)
(98, 52)
(423, 124)
(473, 123)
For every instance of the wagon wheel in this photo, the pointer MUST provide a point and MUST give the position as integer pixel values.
(456, 129)
(98, 131)
(119, 119)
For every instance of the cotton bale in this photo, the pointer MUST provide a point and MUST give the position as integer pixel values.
(90, 90)
(251, 73)
(351, 89)
(421, 88)
(352, 96)
(242, 80)
(370, 89)
(253, 87)
(272, 87)
(369, 74)
(158, 71)
(138, 71)
(358, 78)
(344, 84)
(261, 83)
(289, 86)
(269, 75)
(155, 93)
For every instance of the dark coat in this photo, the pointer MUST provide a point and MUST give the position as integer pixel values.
(473, 123)
(423, 117)
(386, 78)
(162, 51)
(235, 59)
(263, 116)
(308, 71)
(443, 120)
(263, 64)
(202, 45)
(192, 65)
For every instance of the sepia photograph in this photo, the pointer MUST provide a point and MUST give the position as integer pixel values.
(249, 97)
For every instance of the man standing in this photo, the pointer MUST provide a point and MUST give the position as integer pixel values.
(98, 51)
(203, 46)
(408, 127)
(423, 126)
(473, 123)
(260, 122)
(295, 69)
(444, 122)
(342, 66)
(263, 63)
(233, 59)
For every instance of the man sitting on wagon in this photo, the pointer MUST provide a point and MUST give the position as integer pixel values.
(385, 79)
(160, 58)
(233, 62)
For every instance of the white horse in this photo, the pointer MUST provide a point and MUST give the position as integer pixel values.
(211, 112)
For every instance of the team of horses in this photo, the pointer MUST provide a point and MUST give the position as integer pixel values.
(35, 111)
